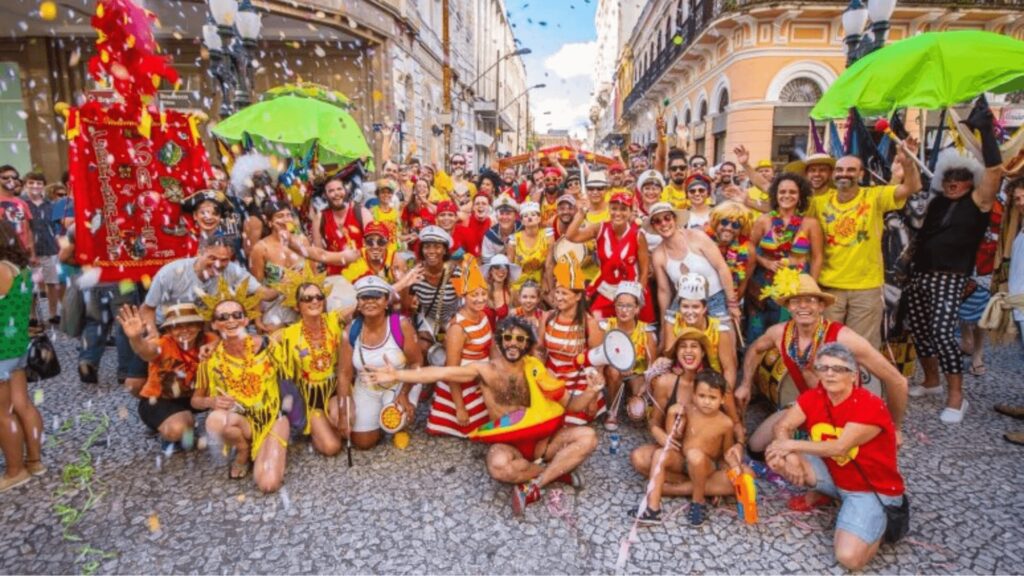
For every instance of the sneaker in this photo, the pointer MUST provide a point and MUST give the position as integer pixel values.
(14, 481)
(649, 517)
(522, 495)
(168, 447)
(572, 479)
(952, 415)
(697, 515)
(1014, 438)
(88, 373)
(1010, 410)
(35, 467)
(917, 391)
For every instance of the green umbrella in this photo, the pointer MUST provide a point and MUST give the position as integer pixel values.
(288, 125)
(932, 71)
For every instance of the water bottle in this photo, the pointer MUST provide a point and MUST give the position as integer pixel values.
(613, 448)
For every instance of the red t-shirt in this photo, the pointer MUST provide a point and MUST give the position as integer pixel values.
(470, 236)
(877, 458)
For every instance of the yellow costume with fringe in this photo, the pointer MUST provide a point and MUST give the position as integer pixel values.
(311, 368)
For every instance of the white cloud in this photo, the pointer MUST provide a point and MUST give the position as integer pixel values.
(565, 113)
(573, 60)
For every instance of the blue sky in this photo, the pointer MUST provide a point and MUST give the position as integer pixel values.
(563, 39)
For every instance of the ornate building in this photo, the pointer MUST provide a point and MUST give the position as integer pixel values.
(748, 72)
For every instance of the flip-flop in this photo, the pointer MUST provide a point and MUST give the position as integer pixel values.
(978, 369)
(233, 469)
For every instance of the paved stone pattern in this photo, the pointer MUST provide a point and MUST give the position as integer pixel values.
(431, 508)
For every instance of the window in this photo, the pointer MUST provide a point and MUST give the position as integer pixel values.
(723, 101)
(801, 91)
(703, 111)
(688, 118)
(13, 131)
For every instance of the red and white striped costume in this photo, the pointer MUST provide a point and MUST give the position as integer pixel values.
(564, 343)
(477, 348)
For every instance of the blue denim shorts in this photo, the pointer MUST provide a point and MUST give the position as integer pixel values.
(860, 513)
(7, 367)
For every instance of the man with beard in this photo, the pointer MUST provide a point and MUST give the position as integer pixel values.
(458, 184)
(853, 220)
(515, 384)
(616, 178)
(518, 191)
(340, 227)
(674, 191)
(549, 197)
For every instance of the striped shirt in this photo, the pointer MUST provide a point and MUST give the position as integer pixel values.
(425, 294)
(476, 348)
(564, 342)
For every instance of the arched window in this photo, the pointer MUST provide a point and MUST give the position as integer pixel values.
(688, 117)
(723, 100)
(801, 91)
(703, 111)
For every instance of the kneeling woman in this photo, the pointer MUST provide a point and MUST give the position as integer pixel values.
(851, 454)
(307, 353)
(238, 383)
(376, 338)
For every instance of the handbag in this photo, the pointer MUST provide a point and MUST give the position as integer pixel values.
(897, 516)
(42, 362)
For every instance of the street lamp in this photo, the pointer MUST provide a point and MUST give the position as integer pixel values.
(231, 38)
(520, 52)
(855, 19)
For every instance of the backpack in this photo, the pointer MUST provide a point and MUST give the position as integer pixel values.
(394, 320)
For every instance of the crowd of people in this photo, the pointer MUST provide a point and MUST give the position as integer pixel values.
(480, 296)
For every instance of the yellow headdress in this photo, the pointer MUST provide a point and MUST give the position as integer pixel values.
(568, 273)
(289, 285)
(470, 277)
(249, 302)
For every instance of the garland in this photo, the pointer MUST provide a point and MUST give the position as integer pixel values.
(783, 232)
(736, 255)
(791, 343)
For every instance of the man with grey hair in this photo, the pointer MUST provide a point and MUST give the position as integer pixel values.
(799, 340)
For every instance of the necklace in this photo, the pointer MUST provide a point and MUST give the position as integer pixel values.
(783, 232)
(236, 374)
(321, 356)
(792, 343)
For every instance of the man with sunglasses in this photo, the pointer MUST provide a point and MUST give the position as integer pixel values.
(183, 280)
(954, 227)
(549, 197)
(515, 383)
(674, 191)
(698, 164)
(14, 209)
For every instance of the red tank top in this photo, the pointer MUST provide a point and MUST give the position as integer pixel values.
(617, 255)
(831, 333)
(336, 238)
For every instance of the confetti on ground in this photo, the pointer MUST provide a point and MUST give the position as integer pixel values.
(37, 397)
(240, 498)
(154, 523)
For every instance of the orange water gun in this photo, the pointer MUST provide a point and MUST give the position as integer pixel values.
(746, 495)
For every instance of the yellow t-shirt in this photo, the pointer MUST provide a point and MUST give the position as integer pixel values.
(757, 195)
(437, 195)
(853, 236)
(675, 196)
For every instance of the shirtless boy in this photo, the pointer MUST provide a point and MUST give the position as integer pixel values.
(706, 436)
(505, 390)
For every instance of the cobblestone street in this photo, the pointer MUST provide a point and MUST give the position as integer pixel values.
(432, 509)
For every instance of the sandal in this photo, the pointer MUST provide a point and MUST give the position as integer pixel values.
(978, 369)
(800, 503)
(238, 470)
(611, 424)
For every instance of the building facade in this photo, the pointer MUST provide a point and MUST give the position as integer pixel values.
(729, 72)
(385, 55)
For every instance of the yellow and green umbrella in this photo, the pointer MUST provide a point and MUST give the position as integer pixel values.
(933, 70)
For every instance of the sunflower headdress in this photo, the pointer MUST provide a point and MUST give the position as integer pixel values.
(289, 285)
(249, 302)
(786, 283)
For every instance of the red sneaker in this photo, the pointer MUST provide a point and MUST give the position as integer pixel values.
(523, 494)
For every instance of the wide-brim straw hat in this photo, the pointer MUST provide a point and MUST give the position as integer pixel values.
(808, 287)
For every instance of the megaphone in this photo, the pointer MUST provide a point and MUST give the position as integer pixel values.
(616, 351)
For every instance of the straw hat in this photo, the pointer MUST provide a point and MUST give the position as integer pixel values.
(800, 166)
(658, 208)
(178, 314)
(806, 286)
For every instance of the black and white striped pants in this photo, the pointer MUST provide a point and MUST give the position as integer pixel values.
(934, 305)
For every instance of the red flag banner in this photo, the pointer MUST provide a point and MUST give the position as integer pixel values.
(128, 187)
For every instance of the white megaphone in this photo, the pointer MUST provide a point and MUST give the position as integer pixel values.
(616, 351)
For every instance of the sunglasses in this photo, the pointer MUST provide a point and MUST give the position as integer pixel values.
(698, 190)
(458, 163)
(659, 220)
(369, 297)
(8, 177)
(835, 369)
(307, 298)
(677, 168)
(225, 316)
(380, 243)
(734, 224)
(519, 338)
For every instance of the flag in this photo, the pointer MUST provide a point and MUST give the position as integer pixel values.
(862, 145)
(819, 148)
(835, 142)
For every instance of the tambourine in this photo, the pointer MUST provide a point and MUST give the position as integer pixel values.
(392, 418)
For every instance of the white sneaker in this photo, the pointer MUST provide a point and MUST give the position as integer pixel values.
(917, 391)
(952, 415)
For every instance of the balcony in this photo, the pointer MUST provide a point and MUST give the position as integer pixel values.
(707, 11)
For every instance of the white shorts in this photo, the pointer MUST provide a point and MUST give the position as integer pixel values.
(48, 271)
(369, 403)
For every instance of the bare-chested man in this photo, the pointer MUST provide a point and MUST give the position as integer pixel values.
(503, 382)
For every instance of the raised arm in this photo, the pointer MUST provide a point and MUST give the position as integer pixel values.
(743, 159)
(911, 175)
(579, 230)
